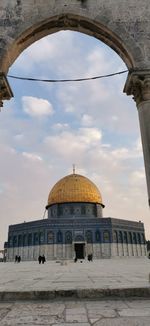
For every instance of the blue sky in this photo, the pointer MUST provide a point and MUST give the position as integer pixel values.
(48, 127)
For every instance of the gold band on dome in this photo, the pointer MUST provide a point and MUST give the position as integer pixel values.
(74, 188)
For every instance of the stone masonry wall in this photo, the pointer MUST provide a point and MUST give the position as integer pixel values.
(123, 24)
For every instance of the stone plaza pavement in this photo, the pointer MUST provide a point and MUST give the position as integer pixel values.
(112, 292)
(76, 313)
(105, 274)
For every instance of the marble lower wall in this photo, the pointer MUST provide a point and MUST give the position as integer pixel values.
(66, 251)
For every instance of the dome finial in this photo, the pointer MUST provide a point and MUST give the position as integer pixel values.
(74, 168)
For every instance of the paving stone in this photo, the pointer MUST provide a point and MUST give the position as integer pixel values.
(93, 320)
(73, 324)
(74, 304)
(138, 303)
(29, 320)
(76, 318)
(101, 312)
(3, 312)
(38, 309)
(134, 312)
(74, 311)
(124, 322)
(110, 304)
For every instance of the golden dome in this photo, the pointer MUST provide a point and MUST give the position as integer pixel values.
(74, 188)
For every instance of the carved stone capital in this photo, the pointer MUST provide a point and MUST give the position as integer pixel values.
(5, 90)
(138, 85)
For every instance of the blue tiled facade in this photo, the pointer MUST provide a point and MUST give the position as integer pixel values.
(75, 229)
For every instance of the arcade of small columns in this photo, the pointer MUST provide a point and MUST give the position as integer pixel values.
(67, 251)
(122, 244)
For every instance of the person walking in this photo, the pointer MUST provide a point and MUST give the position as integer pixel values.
(43, 259)
(39, 259)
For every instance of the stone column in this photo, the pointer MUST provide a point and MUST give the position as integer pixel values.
(5, 90)
(138, 85)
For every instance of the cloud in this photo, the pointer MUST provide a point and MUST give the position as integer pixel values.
(87, 120)
(94, 126)
(32, 156)
(57, 127)
(73, 143)
(37, 107)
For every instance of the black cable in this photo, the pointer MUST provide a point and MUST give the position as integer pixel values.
(67, 80)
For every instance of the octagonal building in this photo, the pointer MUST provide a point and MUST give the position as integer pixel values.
(75, 227)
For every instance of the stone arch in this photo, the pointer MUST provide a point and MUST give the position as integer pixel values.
(22, 25)
(54, 24)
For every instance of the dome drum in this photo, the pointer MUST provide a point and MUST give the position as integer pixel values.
(74, 210)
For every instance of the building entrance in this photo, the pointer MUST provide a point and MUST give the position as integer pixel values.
(79, 250)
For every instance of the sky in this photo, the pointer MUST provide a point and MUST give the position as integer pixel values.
(48, 127)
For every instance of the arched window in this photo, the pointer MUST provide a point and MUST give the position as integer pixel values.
(142, 238)
(68, 237)
(97, 236)
(71, 210)
(50, 237)
(106, 236)
(24, 240)
(36, 238)
(139, 238)
(10, 241)
(94, 210)
(14, 241)
(120, 237)
(60, 210)
(59, 237)
(115, 236)
(130, 238)
(89, 236)
(20, 240)
(83, 210)
(29, 239)
(134, 238)
(41, 237)
(125, 239)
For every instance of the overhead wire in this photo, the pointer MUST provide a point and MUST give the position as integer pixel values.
(67, 80)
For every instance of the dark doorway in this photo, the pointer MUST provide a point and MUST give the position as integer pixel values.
(79, 250)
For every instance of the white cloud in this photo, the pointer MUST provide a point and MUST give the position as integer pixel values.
(95, 126)
(37, 107)
(32, 156)
(87, 120)
(73, 142)
(137, 178)
(60, 126)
